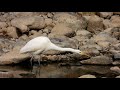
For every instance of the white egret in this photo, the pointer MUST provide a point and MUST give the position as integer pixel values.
(42, 44)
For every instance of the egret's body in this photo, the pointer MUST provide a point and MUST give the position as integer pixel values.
(41, 44)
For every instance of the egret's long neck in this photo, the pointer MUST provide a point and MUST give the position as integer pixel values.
(54, 47)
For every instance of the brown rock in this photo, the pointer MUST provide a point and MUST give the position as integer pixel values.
(3, 25)
(105, 14)
(115, 21)
(62, 29)
(6, 75)
(106, 23)
(98, 60)
(26, 23)
(13, 57)
(115, 68)
(118, 13)
(12, 32)
(95, 24)
(87, 76)
(71, 20)
(48, 21)
(104, 44)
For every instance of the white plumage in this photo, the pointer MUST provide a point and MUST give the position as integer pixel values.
(41, 44)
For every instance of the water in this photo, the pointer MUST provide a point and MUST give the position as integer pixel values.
(56, 71)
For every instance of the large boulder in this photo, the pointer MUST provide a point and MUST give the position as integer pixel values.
(95, 24)
(71, 20)
(63, 30)
(13, 57)
(98, 60)
(26, 23)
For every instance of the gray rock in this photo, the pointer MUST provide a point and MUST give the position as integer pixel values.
(98, 60)
(95, 24)
(104, 36)
(117, 56)
(83, 33)
(87, 76)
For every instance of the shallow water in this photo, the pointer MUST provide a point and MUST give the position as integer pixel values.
(57, 71)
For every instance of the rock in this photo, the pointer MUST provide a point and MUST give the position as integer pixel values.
(63, 30)
(6, 75)
(3, 25)
(34, 34)
(26, 23)
(118, 13)
(24, 37)
(117, 56)
(115, 68)
(12, 32)
(116, 62)
(95, 24)
(116, 32)
(104, 44)
(116, 46)
(48, 21)
(13, 57)
(49, 15)
(98, 60)
(105, 14)
(71, 20)
(115, 21)
(47, 31)
(109, 31)
(117, 76)
(106, 23)
(103, 36)
(83, 33)
(23, 14)
(87, 76)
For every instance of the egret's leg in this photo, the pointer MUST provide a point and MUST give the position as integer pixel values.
(31, 59)
(39, 60)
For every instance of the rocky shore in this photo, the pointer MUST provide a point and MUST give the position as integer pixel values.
(97, 34)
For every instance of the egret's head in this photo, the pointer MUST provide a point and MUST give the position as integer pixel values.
(83, 53)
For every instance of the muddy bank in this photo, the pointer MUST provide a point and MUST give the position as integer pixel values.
(98, 34)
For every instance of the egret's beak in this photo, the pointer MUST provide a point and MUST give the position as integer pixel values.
(83, 53)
